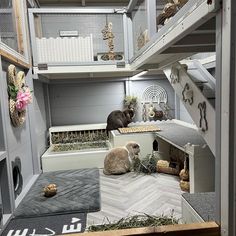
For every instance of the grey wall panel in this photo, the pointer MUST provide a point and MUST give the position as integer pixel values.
(138, 87)
(18, 140)
(84, 103)
(23, 151)
(40, 116)
(15, 136)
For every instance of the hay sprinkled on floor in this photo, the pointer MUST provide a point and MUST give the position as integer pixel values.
(135, 221)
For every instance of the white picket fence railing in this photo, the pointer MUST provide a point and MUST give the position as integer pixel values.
(65, 49)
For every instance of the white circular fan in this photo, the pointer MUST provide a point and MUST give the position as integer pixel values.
(154, 93)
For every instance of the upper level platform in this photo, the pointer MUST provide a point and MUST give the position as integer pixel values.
(86, 43)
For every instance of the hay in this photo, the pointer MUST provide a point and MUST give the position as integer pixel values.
(136, 221)
(145, 165)
(79, 146)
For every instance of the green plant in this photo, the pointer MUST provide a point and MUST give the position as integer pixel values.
(130, 102)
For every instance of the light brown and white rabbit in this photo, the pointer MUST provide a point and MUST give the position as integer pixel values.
(119, 160)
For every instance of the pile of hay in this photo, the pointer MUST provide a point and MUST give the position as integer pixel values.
(145, 165)
(135, 221)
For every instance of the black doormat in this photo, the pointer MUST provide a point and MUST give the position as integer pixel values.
(46, 225)
(77, 191)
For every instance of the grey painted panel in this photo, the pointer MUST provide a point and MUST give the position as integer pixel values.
(40, 117)
(18, 140)
(15, 136)
(84, 103)
(24, 153)
(42, 143)
(82, 115)
(101, 100)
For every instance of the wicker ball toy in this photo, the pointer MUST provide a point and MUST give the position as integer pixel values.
(184, 185)
(50, 190)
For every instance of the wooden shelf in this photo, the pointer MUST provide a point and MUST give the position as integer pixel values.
(84, 71)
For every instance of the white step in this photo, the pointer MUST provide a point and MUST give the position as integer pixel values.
(178, 78)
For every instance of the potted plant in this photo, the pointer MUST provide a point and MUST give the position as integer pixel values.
(130, 102)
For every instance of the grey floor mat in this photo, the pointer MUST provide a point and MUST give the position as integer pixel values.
(203, 203)
(77, 191)
(46, 225)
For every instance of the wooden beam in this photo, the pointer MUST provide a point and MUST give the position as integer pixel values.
(196, 229)
(14, 59)
(18, 18)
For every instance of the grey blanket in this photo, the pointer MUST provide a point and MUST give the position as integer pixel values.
(77, 191)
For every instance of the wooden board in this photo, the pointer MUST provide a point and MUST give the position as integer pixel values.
(139, 129)
(13, 59)
(196, 229)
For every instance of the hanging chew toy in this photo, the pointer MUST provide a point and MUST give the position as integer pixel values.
(184, 177)
(109, 36)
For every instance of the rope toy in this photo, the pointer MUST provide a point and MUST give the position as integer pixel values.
(19, 96)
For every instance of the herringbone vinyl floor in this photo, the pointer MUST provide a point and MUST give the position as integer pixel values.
(132, 193)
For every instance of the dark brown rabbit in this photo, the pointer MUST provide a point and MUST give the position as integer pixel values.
(119, 119)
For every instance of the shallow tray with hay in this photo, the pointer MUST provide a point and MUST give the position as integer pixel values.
(139, 129)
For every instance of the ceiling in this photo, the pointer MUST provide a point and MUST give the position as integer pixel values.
(83, 2)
